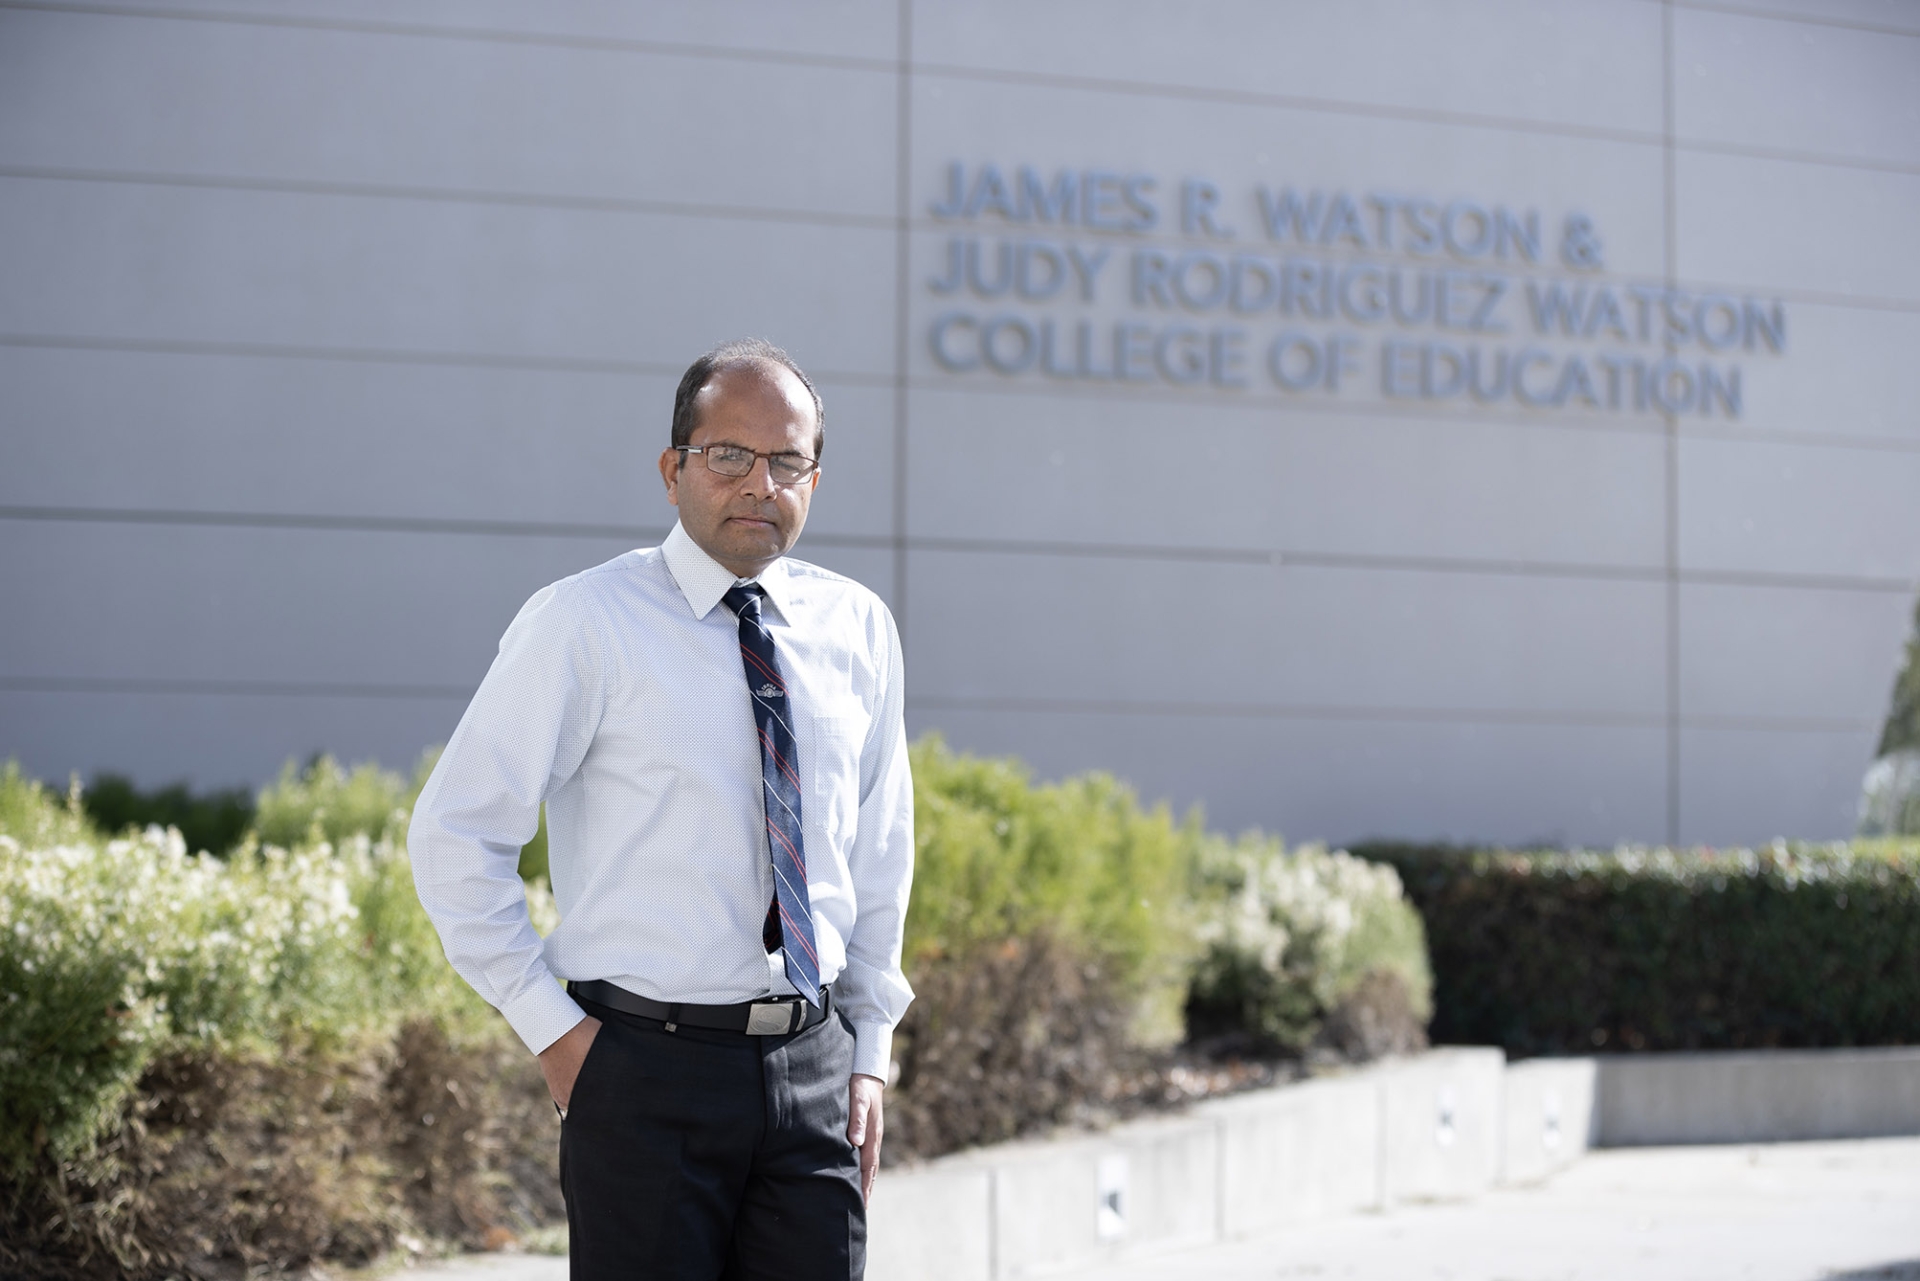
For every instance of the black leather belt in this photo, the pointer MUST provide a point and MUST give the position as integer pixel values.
(775, 1016)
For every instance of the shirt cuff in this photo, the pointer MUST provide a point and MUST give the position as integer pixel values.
(873, 1049)
(542, 1014)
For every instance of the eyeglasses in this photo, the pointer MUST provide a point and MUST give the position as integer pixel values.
(737, 460)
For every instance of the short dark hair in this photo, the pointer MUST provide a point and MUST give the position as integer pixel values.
(730, 355)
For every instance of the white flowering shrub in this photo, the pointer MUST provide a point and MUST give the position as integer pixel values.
(1290, 936)
(112, 951)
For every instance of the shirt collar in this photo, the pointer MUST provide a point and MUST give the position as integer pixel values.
(704, 580)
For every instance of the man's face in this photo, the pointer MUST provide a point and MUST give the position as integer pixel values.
(745, 522)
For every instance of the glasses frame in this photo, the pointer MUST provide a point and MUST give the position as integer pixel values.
(813, 464)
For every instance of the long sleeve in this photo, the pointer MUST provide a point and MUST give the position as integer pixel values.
(525, 733)
(871, 990)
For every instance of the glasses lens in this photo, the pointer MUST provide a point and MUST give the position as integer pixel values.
(728, 460)
(790, 468)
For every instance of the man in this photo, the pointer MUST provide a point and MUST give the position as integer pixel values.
(716, 731)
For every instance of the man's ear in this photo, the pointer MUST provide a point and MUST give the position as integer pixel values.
(670, 464)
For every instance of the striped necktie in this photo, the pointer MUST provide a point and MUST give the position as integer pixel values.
(790, 916)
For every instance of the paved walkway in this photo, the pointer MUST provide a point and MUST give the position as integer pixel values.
(1774, 1212)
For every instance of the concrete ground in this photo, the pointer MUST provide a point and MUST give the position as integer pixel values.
(1768, 1212)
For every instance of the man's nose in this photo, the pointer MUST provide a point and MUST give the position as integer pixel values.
(759, 479)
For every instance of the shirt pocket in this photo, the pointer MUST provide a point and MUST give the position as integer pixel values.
(837, 734)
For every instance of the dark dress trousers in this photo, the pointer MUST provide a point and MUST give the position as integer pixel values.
(697, 1154)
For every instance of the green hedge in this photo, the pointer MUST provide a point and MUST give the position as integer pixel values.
(213, 821)
(1661, 949)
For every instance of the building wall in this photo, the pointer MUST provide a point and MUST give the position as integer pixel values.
(330, 330)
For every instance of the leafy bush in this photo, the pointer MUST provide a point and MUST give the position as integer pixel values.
(997, 857)
(1663, 949)
(122, 960)
(213, 821)
(111, 952)
(1047, 938)
(1295, 939)
(33, 816)
(325, 802)
(273, 1160)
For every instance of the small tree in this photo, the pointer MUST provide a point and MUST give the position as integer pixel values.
(1903, 718)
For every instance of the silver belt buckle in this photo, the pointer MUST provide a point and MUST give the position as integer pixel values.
(771, 1018)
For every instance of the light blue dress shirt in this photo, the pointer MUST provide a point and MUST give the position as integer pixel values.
(618, 699)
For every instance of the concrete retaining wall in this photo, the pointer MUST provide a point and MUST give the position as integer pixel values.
(1447, 1124)
(1549, 1117)
(1425, 1128)
(1758, 1096)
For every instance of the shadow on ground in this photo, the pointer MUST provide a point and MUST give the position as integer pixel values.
(1906, 1271)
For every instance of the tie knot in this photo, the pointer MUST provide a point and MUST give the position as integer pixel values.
(744, 599)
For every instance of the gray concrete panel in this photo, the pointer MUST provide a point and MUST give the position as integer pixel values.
(288, 641)
(1747, 786)
(1781, 508)
(1889, 15)
(1764, 1096)
(1111, 470)
(1843, 376)
(1240, 144)
(1163, 632)
(837, 29)
(408, 276)
(1829, 230)
(1303, 1152)
(1172, 1177)
(1827, 655)
(278, 605)
(1149, 1185)
(1588, 65)
(1796, 86)
(201, 432)
(933, 1222)
(331, 106)
(212, 738)
(1549, 1117)
(1045, 1206)
(1345, 780)
(374, 607)
(1443, 1124)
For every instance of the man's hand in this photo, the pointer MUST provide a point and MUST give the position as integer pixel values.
(864, 1126)
(560, 1062)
